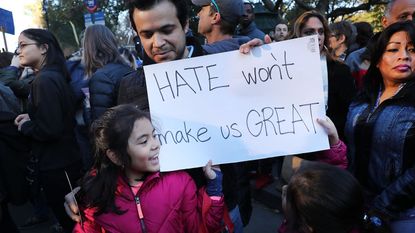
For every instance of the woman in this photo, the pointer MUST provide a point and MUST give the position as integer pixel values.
(49, 122)
(125, 191)
(324, 199)
(338, 84)
(381, 133)
(105, 67)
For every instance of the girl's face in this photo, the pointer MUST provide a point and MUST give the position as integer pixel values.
(398, 60)
(314, 26)
(30, 52)
(143, 148)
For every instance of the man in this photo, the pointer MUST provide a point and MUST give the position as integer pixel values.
(281, 32)
(248, 26)
(161, 27)
(396, 10)
(342, 37)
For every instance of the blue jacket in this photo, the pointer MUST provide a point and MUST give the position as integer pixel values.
(103, 87)
(381, 150)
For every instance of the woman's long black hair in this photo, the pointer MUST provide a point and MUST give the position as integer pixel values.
(54, 53)
(373, 79)
(110, 132)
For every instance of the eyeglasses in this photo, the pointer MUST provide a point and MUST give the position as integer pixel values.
(21, 46)
(213, 2)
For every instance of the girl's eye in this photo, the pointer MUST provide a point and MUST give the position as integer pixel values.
(391, 50)
(142, 142)
(411, 50)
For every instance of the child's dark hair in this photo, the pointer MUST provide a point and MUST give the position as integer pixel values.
(325, 199)
(110, 132)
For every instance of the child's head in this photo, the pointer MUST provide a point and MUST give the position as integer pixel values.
(125, 139)
(322, 198)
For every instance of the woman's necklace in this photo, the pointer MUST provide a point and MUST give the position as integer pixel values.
(380, 94)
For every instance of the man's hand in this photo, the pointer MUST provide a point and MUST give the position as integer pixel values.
(20, 120)
(246, 48)
(15, 61)
(71, 207)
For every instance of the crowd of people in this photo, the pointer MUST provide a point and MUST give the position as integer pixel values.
(76, 137)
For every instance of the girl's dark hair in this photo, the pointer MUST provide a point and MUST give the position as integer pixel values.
(100, 48)
(324, 198)
(54, 54)
(373, 79)
(110, 132)
(181, 9)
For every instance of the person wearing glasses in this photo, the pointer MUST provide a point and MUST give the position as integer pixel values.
(49, 122)
(342, 38)
(338, 84)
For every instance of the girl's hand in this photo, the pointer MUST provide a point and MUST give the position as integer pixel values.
(330, 129)
(210, 171)
(214, 179)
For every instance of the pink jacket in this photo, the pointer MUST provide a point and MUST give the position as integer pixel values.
(169, 202)
(337, 155)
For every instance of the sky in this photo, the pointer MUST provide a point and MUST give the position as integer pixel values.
(22, 20)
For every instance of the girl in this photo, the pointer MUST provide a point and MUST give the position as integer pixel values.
(126, 192)
(324, 199)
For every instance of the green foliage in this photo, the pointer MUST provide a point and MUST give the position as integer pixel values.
(60, 13)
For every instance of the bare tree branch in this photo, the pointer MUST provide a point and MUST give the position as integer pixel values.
(269, 5)
(304, 6)
(347, 10)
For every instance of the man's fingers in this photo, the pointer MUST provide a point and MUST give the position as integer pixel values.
(71, 214)
(267, 39)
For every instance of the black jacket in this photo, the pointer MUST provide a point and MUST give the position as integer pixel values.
(14, 154)
(103, 87)
(52, 120)
(341, 93)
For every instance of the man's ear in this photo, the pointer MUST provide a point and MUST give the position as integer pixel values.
(342, 38)
(216, 18)
(384, 22)
(186, 26)
(113, 157)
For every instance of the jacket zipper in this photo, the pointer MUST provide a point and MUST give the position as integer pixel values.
(140, 213)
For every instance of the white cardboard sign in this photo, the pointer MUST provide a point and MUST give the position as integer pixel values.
(231, 107)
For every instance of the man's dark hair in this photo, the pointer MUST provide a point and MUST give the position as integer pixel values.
(181, 9)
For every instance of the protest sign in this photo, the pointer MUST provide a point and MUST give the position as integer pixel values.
(232, 107)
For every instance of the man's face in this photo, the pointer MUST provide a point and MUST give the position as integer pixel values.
(248, 15)
(162, 35)
(402, 10)
(281, 32)
(205, 18)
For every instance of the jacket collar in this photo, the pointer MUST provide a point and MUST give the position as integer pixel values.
(124, 190)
